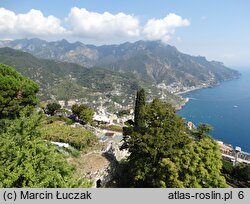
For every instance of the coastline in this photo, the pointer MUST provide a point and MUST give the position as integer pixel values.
(222, 113)
(186, 99)
(193, 89)
(203, 86)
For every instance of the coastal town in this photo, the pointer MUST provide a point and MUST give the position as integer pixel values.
(102, 116)
(125, 95)
(112, 139)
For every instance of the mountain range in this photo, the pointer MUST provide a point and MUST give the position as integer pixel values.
(148, 60)
(66, 81)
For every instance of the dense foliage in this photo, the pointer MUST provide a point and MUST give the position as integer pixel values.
(197, 166)
(202, 130)
(16, 92)
(76, 137)
(83, 112)
(163, 155)
(116, 128)
(52, 108)
(242, 172)
(139, 105)
(26, 160)
(237, 175)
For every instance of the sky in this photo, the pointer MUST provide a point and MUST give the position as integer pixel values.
(216, 29)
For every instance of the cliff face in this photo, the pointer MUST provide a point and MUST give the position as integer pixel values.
(152, 61)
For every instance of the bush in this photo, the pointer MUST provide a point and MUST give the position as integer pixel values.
(227, 167)
(27, 161)
(53, 119)
(76, 137)
(16, 92)
(242, 172)
(111, 127)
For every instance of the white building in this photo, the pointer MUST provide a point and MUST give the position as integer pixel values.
(101, 118)
(62, 103)
(71, 102)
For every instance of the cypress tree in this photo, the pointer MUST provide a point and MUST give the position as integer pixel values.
(139, 104)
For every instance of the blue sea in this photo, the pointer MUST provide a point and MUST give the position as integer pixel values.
(226, 107)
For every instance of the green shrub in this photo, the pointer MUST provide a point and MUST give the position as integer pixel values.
(111, 127)
(227, 167)
(78, 138)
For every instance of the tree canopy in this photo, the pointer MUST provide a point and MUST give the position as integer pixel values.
(195, 166)
(202, 130)
(29, 161)
(83, 112)
(162, 153)
(52, 108)
(16, 92)
(242, 172)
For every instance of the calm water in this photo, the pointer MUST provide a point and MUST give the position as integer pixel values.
(226, 107)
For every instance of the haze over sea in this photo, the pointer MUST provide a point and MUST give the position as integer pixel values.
(226, 107)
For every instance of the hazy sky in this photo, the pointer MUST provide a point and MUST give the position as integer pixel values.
(217, 29)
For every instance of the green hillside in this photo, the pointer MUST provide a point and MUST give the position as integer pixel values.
(64, 81)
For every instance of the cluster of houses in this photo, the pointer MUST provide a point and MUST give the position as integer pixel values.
(177, 87)
(101, 116)
(234, 155)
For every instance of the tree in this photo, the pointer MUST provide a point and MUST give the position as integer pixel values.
(163, 133)
(42, 105)
(242, 172)
(139, 104)
(27, 160)
(76, 109)
(203, 130)
(163, 155)
(83, 112)
(16, 92)
(52, 108)
(199, 165)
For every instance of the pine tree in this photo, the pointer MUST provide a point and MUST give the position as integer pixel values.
(27, 160)
(16, 92)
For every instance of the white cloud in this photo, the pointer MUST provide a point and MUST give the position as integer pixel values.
(87, 26)
(31, 24)
(163, 29)
(105, 26)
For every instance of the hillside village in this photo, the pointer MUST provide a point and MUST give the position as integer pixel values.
(107, 127)
(99, 143)
(106, 95)
(101, 116)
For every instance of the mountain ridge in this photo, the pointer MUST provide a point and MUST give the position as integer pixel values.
(66, 81)
(149, 60)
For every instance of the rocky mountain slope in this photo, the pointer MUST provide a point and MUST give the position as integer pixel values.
(153, 61)
(65, 81)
